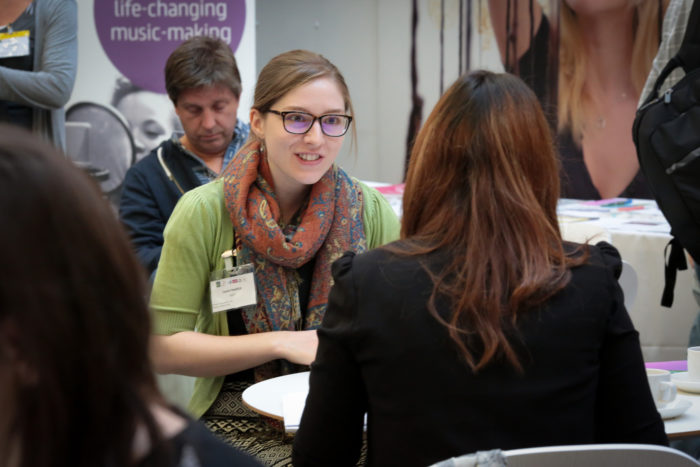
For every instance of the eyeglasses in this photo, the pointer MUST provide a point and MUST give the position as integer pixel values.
(299, 123)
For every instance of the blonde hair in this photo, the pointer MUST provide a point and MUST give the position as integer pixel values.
(572, 94)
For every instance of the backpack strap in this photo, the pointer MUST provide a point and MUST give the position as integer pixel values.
(689, 52)
(688, 55)
(675, 261)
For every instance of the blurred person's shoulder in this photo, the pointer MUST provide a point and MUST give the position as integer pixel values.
(196, 446)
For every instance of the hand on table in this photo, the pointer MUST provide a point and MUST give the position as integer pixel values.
(299, 346)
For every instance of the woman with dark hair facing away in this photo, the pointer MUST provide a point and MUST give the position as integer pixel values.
(480, 328)
(271, 225)
(76, 385)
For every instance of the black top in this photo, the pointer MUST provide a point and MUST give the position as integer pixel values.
(149, 197)
(197, 446)
(575, 179)
(12, 112)
(381, 351)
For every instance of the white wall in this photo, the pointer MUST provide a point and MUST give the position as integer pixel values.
(370, 42)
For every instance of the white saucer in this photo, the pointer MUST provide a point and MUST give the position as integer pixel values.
(675, 408)
(684, 383)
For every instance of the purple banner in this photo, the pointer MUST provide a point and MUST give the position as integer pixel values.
(139, 35)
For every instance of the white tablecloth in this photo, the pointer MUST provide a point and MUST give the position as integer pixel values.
(639, 231)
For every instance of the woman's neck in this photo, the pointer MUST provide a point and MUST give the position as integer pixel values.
(290, 203)
(291, 194)
(608, 41)
(215, 162)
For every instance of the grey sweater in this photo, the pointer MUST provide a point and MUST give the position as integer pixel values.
(48, 87)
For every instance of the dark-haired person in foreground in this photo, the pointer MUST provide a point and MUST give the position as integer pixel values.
(76, 385)
(480, 328)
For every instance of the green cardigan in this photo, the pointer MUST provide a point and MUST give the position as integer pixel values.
(198, 231)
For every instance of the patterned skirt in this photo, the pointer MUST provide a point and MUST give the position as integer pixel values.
(259, 436)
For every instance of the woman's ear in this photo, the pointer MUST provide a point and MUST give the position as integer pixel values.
(257, 124)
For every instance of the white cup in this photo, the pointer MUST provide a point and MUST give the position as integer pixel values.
(662, 389)
(694, 363)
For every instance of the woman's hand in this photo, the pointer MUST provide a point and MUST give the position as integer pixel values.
(298, 346)
(197, 354)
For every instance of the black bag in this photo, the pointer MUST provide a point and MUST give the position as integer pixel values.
(666, 133)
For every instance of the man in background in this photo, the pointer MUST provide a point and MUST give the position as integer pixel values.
(204, 85)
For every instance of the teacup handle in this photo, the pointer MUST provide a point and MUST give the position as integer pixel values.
(668, 392)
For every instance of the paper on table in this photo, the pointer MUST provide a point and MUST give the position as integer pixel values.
(392, 193)
(674, 365)
(292, 408)
(609, 202)
(635, 217)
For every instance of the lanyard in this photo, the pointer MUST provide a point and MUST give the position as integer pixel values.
(231, 256)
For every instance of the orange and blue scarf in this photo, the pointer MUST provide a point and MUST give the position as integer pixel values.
(330, 224)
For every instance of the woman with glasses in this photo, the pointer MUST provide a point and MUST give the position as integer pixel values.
(483, 332)
(244, 275)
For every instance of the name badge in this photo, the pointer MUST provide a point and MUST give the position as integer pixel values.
(233, 289)
(14, 44)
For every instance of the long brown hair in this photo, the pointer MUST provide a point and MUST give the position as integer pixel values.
(69, 283)
(483, 186)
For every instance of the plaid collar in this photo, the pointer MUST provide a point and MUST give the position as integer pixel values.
(204, 173)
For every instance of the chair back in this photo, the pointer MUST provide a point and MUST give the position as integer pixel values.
(600, 455)
(583, 455)
(629, 283)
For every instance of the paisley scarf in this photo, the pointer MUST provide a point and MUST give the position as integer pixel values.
(330, 224)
